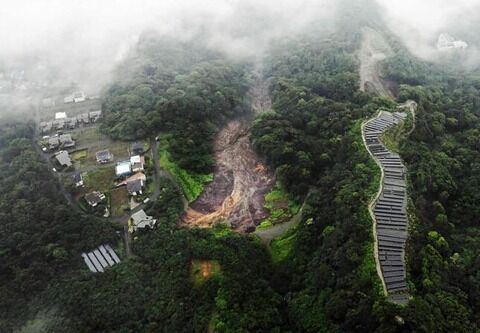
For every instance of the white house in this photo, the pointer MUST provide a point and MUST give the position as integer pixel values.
(140, 220)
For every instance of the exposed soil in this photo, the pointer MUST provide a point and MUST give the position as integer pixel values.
(241, 178)
(371, 55)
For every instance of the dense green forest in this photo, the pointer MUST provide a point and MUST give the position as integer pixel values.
(43, 237)
(327, 281)
(187, 97)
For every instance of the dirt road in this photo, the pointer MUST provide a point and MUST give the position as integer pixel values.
(241, 179)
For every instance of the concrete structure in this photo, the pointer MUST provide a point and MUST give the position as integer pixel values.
(63, 158)
(100, 258)
(140, 220)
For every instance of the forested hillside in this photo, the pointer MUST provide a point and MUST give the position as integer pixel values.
(189, 97)
(42, 237)
(185, 279)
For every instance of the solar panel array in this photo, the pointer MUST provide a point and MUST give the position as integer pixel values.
(100, 258)
(390, 206)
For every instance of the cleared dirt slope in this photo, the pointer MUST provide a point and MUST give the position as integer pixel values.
(241, 179)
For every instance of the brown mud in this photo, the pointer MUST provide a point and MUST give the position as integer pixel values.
(241, 178)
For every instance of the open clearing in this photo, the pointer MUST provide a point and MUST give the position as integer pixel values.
(100, 179)
(119, 200)
(202, 270)
(91, 139)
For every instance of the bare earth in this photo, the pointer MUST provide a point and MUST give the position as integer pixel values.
(241, 179)
(370, 57)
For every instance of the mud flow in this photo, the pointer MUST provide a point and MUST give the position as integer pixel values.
(241, 178)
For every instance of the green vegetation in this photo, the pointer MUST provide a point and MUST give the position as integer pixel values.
(42, 237)
(280, 207)
(189, 97)
(79, 154)
(282, 246)
(100, 179)
(191, 184)
(119, 201)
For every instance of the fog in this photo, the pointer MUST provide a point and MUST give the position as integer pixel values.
(61, 43)
(419, 24)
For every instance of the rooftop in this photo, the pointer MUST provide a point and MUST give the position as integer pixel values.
(123, 168)
(140, 220)
(60, 115)
(63, 158)
(135, 186)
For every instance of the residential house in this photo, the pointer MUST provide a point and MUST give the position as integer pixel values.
(59, 124)
(103, 156)
(53, 142)
(66, 141)
(94, 198)
(83, 118)
(137, 148)
(134, 187)
(60, 115)
(79, 96)
(68, 99)
(63, 158)
(140, 220)
(78, 179)
(137, 163)
(94, 115)
(71, 122)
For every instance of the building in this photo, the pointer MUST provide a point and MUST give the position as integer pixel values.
(140, 220)
(46, 126)
(134, 187)
(71, 122)
(83, 118)
(137, 148)
(78, 179)
(53, 142)
(103, 156)
(59, 124)
(137, 163)
(123, 169)
(66, 141)
(60, 115)
(63, 158)
(78, 96)
(94, 198)
(68, 99)
(94, 115)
